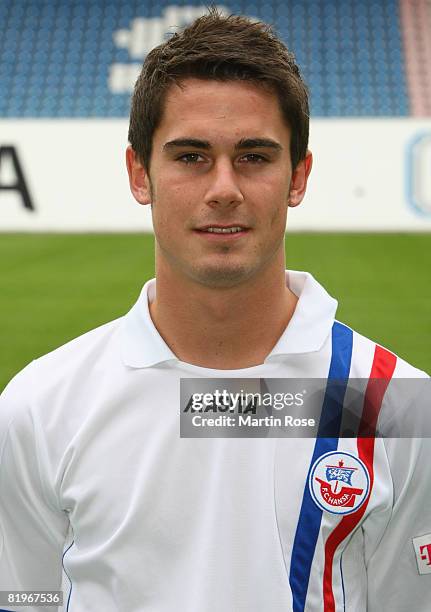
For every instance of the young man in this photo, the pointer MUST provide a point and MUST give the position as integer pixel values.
(94, 475)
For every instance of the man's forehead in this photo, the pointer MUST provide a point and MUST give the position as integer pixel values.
(217, 96)
(215, 111)
(188, 83)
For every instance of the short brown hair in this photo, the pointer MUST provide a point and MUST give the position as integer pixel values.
(222, 48)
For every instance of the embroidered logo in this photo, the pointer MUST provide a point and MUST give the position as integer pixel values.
(422, 546)
(339, 482)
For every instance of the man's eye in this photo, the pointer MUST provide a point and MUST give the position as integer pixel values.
(189, 158)
(254, 158)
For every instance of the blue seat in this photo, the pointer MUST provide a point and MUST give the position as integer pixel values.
(351, 54)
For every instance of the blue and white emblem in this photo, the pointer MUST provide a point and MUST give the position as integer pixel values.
(339, 482)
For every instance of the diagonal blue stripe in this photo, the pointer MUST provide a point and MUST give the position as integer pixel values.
(310, 516)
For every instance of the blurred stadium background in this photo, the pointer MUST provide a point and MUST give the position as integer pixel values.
(75, 248)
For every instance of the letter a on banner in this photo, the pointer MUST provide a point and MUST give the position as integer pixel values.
(8, 154)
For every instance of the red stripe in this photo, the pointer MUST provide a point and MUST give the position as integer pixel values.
(381, 372)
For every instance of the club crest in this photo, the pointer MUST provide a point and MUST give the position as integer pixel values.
(339, 482)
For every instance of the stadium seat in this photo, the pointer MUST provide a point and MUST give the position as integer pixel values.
(58, 54)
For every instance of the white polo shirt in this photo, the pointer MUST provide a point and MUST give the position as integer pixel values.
(95, 479)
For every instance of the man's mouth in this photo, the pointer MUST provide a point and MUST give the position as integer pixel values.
(222, 229)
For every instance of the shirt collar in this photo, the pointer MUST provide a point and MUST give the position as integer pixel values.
(309, 327)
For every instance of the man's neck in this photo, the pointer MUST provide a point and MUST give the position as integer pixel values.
(223, 329)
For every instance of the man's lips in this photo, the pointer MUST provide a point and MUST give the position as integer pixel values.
(221, 226)
(218, 231)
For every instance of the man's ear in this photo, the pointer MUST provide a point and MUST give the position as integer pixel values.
(298, 184)
(139, 180)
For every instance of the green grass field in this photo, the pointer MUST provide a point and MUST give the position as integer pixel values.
(55, 287)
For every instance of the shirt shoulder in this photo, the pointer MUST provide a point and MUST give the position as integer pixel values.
(75, 362)
(366, 350)
(394, 391)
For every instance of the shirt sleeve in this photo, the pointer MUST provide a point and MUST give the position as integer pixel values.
(399, 577)
(33, 528)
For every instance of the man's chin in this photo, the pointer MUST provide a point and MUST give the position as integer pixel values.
(222, 276)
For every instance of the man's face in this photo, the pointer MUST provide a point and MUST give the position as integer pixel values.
(220, 162)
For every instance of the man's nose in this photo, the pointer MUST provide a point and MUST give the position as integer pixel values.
(223, 186)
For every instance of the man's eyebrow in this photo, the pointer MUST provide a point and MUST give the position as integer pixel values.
(187, 142)
(258, 143)
(244, 143)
